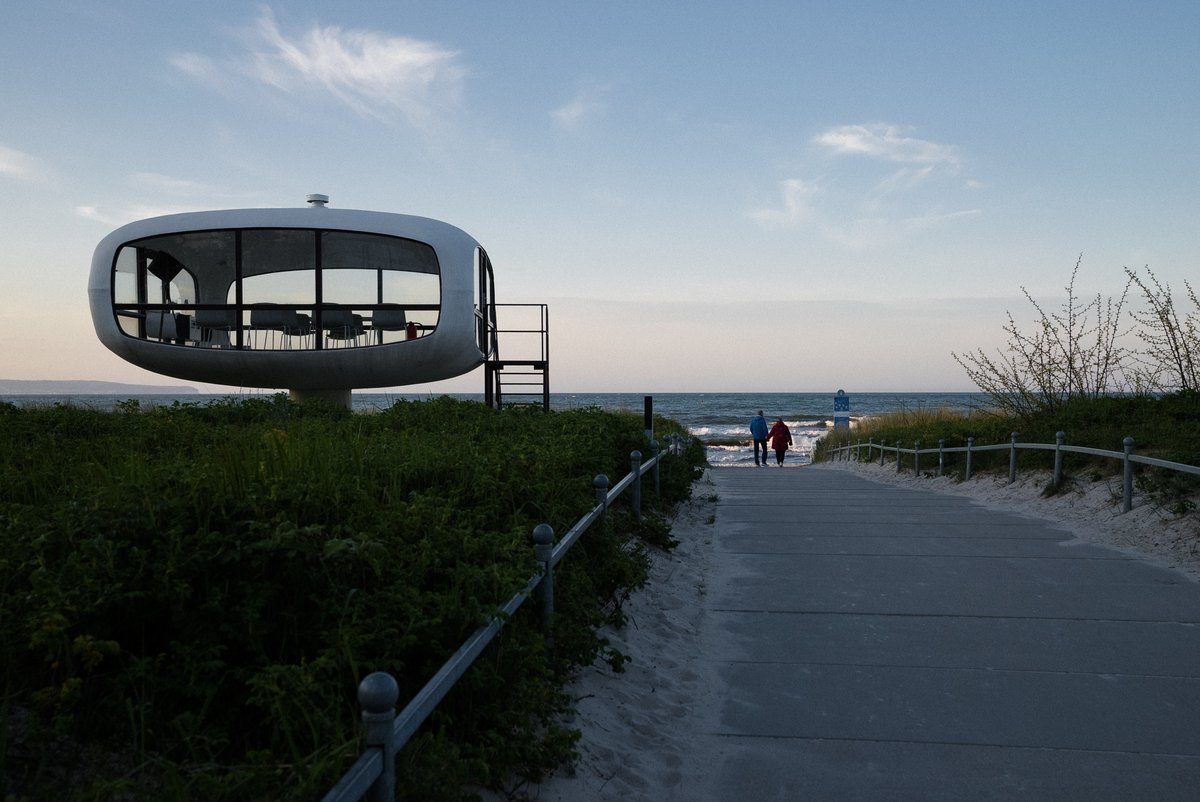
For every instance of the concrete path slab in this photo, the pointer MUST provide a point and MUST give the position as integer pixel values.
(875, 642)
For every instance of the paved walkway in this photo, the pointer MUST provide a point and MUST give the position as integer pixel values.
(886, 643)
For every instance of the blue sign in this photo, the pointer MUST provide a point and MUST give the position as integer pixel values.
(841, 410)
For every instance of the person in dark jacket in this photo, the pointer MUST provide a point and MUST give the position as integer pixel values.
(758, 430)
(781, 437)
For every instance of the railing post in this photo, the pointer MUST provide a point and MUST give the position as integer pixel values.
(377, 694)
(635, 489)
(600, 486)
(1012, 458)
(654, 452)
(870, 447)
(917, 458)
(1127, 490)
(882, 452)
(543, 550)
(897, 456)
(970, 445)
(941, 457)
(1059, 437)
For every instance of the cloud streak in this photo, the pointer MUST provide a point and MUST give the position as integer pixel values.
(585, 106)
(796, 206)
(885, 142)
(17, 164)
(127, 214)
(377, 75)
(860, 209)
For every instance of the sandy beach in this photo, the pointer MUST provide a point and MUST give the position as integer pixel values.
(637, 726)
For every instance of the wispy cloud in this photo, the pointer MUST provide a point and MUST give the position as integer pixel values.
(899, 189)
(886, 142)
(121, 216)
(170, 185)
(795, 208)
(872, 233)
(18, 164)
(588, 104)
(158, 195)
(376, 74)
(903, 180)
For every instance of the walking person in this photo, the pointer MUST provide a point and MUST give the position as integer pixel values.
(781, 438)
(758, 431)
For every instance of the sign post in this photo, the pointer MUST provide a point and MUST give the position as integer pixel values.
(841, 410)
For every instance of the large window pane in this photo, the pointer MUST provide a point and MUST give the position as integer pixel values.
(215, 288)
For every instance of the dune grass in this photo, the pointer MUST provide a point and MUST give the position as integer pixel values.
(1164, 426)
(189, 595)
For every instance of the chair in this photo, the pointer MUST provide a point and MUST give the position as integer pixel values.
(215, 325)
(166, 326)
(287, 322)
(342, 325)
(388, 317)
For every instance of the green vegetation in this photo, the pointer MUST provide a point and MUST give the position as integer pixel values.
(1167, 427)
(1078, 371)
(189, 595)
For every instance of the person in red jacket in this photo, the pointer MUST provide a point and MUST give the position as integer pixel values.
(780, 437)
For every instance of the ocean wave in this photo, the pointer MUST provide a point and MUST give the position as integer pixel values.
(728, 442)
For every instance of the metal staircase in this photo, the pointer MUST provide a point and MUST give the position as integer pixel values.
(522, 375)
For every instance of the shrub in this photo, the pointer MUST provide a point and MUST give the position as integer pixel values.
(1072, 353)
(1172, 357)
(190, 594)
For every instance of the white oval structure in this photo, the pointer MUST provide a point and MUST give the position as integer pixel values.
(317, 300)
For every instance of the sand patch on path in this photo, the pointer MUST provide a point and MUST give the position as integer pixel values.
(639, 726)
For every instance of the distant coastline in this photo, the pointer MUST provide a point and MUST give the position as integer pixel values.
(68, 387)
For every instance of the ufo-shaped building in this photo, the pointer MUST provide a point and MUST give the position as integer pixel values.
(313, 299)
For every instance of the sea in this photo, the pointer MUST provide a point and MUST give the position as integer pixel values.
(721, 420)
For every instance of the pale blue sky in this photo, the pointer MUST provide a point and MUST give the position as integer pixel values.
(754, 196)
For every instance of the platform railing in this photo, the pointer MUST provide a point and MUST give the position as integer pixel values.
(373, 775)
(1059, 447)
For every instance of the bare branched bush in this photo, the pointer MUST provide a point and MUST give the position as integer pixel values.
(1171, 360)
(1072, 353)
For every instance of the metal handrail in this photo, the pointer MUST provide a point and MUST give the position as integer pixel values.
(372, 776)
(1059, 447)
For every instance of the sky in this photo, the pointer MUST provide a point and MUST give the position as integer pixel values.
(711, 197)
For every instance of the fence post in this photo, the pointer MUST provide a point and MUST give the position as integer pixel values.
(1012, 458)
(970, 445)
(1059, 437)
(882, 452)
(654, 452)
(1127, 490)
(897, 456)
(870, 447)
(600, 486)
(635, 490)
(377, 694)
(543, 550)
(941, 457)
(917, 458)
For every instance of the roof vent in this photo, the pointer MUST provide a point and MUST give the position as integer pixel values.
(318, 201)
